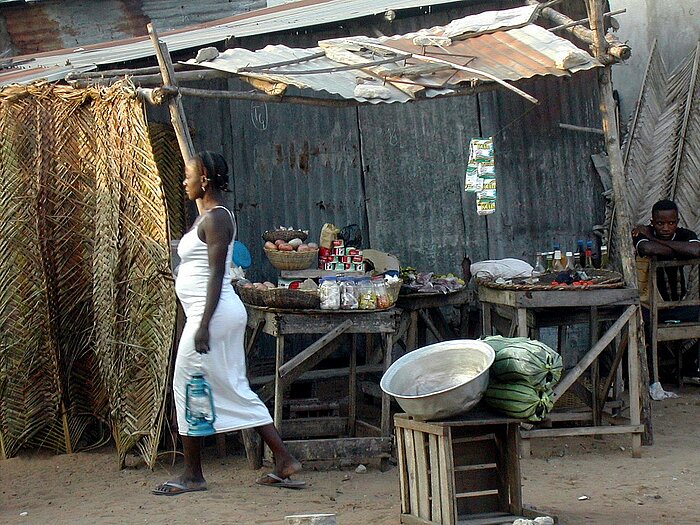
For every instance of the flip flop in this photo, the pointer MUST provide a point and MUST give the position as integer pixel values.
(285, 483)
(173, 488)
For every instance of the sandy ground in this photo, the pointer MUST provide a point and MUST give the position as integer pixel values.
(86, 488)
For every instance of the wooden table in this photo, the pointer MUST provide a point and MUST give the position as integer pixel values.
(421, 312)
(332, 324)
(542, 308)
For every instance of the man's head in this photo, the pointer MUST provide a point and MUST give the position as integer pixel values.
(664, 219)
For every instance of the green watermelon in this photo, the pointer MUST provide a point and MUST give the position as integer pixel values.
(522, 360)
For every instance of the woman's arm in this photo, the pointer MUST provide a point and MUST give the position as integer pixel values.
(216, 230)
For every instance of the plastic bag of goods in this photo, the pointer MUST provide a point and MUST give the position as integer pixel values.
(522, 360)
(519, 400)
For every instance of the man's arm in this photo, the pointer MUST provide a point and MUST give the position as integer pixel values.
(658, 247)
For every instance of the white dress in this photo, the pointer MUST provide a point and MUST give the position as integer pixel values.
(236, 405)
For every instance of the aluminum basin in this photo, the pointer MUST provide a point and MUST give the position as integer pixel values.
(440, 380)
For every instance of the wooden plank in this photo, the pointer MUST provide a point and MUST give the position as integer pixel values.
(431, 326)
(435, 475)
(363, 322)
(635, 382)
(314, 353)
(496, 296)
(422, 475)
(513, 472)
(486, 322)
(576, 298)
(412, 470)
(489, 518)
(279, 386)
(419, 301)
(582, 431)
(386, 399)
(401, 421)
(326, 373)
(370, 388)
(412, 334)
(594, 333)
(675, 332)
(472, 439)
(352, 386)
(343, 448)
(260, 323)
(409, 519)
(447, 480)
(403, 474)
(522, 322)
(477, 493)
(374, 431)
(593, 353)
(305, 427)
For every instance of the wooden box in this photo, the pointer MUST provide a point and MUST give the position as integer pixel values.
(459, 472)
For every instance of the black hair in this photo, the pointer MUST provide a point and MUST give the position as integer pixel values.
(664, 205)
(216, 167)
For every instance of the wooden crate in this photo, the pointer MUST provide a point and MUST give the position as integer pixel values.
(459, 472)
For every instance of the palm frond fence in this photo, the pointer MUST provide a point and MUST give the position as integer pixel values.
(86, 312)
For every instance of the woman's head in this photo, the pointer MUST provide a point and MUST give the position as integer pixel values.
(205, 171)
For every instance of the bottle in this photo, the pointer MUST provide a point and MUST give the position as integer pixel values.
(348, 294)
(604, 261)
(329, 292)
(577, 262)
(589, 255)
(557, 266)
(367, 298)
(581, 253)
(539, 268)
(550, 261)
(381, 292)
(595, 255)
(569, 266)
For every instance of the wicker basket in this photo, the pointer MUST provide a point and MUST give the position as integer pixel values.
(251, 296)
(284, 235)
(291, 260)
(285, 298)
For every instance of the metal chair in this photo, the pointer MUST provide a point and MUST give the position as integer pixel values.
(663, 324)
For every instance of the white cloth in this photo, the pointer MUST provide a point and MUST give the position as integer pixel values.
(236, 405)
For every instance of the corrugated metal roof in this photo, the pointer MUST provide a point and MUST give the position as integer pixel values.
(295, 15)
(504, 54)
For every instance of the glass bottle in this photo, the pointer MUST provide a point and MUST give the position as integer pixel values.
(329, 293)
(569, 266)
(589, 255)
(367, 298)
(557, 266)
(539, 268)
(581, 254)
(550, 261)
(381, 292)
(348, 294)
(604, 260)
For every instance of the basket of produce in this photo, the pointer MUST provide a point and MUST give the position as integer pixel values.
(252, 293)
(586, 279)
(288, 299)
(284, 235)
(292, 255)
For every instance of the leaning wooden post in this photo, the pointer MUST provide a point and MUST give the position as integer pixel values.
(177, 112)
(623, 223)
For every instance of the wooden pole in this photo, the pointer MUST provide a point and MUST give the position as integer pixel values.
(623, 223)
(177, 112)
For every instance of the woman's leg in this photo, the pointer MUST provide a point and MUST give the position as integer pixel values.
(285, 464)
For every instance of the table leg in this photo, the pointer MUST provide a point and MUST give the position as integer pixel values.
(412, 336)
(486, 328)
(352, 386)
(386, 400)
(513, 468)
(279, 391)
(522, 322)
(595, 394)
(633, 366)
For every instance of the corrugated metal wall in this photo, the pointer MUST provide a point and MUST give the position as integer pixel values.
(398, 170)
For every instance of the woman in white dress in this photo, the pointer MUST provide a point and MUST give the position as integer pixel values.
(212, 339)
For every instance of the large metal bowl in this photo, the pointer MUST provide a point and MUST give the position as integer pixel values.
(440, 380)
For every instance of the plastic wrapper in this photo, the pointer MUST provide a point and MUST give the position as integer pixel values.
(329, 293)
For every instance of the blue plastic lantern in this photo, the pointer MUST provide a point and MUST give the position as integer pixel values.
(199, 406)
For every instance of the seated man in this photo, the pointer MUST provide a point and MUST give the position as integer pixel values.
(665, 240)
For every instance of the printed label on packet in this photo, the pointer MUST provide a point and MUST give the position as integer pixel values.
(471, 179)
(486, 202)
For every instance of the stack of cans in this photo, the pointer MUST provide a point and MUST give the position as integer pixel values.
(341, 258)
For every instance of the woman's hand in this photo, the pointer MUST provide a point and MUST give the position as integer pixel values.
(201, 340)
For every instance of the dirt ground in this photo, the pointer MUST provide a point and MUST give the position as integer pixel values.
(87, 488)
